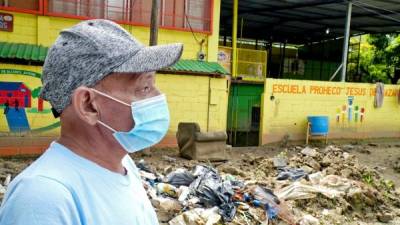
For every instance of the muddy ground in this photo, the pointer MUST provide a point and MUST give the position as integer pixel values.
(246, 163)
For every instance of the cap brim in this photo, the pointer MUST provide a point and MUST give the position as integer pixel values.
(151, 58)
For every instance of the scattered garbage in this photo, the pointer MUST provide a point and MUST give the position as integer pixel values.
(7, 180)
(213, 191)
(290, 173)
(310, 187)
(166, 204)
(197, 216)
(180, 177)
(167, 189)
(298, 190)
(309, 220)
(300, 185)
(2, 189)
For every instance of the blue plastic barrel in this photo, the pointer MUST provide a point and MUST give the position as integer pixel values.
(319, 125)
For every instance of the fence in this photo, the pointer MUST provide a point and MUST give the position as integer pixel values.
(252, 64)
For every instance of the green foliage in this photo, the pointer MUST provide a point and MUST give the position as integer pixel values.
(35, 110)
(35, 92)
(368, 178)
(379, 58)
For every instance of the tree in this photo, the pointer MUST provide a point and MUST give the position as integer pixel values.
(383, 57)
(35, 94)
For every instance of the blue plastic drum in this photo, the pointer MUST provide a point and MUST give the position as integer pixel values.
(319, 125)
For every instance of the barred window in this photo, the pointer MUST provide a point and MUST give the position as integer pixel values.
(31, 5)
(83, 8)
(184, 14)
(194, 14)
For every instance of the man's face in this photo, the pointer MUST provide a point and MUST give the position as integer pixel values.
(127, 88)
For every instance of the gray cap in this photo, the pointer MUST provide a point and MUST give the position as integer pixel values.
(87, 52)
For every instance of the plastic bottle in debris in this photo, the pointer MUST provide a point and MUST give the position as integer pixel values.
(167, 189)
(266, 199)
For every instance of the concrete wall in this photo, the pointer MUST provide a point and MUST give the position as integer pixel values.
(294, 100)
(199, 99)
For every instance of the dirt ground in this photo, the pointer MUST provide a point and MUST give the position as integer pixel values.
(382, 156)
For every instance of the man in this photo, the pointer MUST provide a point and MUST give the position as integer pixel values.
(100, 81)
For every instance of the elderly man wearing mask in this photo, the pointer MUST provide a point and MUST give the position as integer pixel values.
(100, 81)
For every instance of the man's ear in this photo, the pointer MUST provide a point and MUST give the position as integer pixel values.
(84, 105)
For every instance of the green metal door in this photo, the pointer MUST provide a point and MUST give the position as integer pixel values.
(244, 109)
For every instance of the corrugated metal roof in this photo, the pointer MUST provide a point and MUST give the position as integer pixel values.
(306, 21)
(196, 66)
(28, 52)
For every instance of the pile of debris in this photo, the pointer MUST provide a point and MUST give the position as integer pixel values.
(10, 168)
(300, 185)
(203, 196)
(314, 186)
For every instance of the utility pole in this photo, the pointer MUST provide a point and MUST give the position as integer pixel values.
(155, 8)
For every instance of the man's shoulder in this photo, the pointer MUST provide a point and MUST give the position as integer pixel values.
(37, 199)
(53, 165)
(35, 191)
(30, 187)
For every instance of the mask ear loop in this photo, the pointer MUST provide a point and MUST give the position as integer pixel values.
(106, 126)
(110, 97)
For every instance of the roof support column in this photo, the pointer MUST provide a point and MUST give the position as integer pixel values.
(234, 37)
(346, 41)
(155, 7)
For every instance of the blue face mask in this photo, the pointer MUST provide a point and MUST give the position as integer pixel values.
(151, 117)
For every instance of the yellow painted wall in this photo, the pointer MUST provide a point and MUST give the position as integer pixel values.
(199, 99)
(43, 30)
(294, 100)
(192, 98)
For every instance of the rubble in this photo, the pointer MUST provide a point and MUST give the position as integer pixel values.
(298, 185)
(311, 152)
(396, 165)
(279, 162)
(313, 186)
(309, 220)
(384, 217)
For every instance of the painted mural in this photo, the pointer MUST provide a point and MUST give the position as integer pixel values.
(22, 110)
(350, 114)
(349, 106)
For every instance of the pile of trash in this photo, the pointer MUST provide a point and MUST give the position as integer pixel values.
(203, 196)
(314, 186)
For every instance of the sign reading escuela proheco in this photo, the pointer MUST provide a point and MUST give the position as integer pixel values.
(6, 22)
